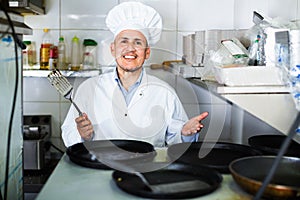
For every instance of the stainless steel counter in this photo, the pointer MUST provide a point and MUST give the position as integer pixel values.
(71, 181)
(272, 104)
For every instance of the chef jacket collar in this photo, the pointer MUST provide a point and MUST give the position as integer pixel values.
(133, 87)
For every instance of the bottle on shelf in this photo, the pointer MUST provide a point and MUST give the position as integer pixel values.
(45, 49)
(53, 57)
(29, 55)
(62, 63)
(25, 53)
(75, 54)
(89, 54)
(32, 56)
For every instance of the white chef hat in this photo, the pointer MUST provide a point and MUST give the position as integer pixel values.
(135, 16)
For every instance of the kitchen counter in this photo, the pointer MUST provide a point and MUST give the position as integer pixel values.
(71, 181)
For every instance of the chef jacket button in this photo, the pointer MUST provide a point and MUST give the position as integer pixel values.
(125, 114)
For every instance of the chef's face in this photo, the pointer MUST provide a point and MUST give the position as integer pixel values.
(130, 50)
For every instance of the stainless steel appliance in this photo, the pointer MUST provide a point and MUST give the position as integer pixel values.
(25, 6)
(11, 106)
(37, 132)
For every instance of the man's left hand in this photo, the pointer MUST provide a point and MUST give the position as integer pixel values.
(194, 125)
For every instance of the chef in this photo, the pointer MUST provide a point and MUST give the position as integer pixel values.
(128, 103)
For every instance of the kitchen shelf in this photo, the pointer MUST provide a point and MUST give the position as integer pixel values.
(66, 73)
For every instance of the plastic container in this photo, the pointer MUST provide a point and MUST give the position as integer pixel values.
(25, 53)
(45, 49)
(62, 63)
(29, 55)
(89, 54)
(75, 54)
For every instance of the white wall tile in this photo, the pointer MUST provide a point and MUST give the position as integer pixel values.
(39, 89)
(167, 9)
(196, 15)
(88, 14)
(298, 10)
(165, 49)
(64, 108)
(49, 20)
(285, 9)
(243, 12)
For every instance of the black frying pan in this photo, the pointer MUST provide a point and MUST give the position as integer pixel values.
(218, 155)
(167, 173)
(127, 151)
(270, 145)
(250, 172)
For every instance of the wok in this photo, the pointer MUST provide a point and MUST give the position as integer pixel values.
(250, 172)
(270, 145)
(126, 151)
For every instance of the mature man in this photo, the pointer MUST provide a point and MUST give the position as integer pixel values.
(128, 103)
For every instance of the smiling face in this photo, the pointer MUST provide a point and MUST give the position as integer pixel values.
(130, 50)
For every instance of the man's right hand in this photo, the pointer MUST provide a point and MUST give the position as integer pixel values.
(84, 127)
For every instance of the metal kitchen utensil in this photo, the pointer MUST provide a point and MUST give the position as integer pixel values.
(174, 187)
(63, 86)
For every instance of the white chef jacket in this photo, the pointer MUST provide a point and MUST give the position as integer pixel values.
(155, 113)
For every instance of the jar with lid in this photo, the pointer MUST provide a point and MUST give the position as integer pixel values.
(75, 54)
(89, 54)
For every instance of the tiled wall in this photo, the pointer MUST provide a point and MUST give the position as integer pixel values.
(86, 19)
